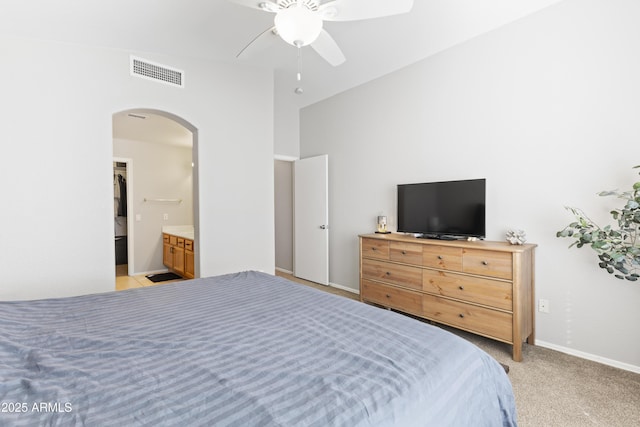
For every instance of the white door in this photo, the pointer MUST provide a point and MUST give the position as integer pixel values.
(311, 219)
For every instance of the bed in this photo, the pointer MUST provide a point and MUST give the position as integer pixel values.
(244, 349)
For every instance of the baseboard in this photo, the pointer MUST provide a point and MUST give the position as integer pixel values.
(344, 288)
(589, 356)
(333, 285)
(282, 270)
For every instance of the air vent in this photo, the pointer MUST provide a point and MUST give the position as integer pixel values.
(159, 73)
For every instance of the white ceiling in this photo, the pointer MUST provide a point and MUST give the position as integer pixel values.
(218, 29)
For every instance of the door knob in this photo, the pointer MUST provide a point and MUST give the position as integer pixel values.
(324, 227)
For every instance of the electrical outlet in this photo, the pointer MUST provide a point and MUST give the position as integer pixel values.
(543, 305)
(165, 217)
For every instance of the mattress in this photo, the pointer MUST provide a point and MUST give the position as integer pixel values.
(245, 349)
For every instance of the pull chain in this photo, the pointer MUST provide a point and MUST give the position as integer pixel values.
(298, 90)
(299, 55)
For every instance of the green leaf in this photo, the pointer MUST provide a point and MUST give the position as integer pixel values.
(598, 244)
(622, 270)
(564, 233)
(617, 257)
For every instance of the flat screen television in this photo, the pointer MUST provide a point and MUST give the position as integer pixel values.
(443, 210)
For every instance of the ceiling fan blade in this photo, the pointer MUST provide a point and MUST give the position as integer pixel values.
(263, 35)
(327, 48)
(266, 5)
(354, 10)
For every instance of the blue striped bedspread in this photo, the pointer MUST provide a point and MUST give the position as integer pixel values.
(245, 349)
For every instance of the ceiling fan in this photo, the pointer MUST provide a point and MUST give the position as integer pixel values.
(299, 22)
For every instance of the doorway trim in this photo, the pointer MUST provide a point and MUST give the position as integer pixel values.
(195, 176)
(130, 226)
(281, 248)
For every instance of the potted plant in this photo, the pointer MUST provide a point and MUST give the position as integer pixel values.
(618, 248)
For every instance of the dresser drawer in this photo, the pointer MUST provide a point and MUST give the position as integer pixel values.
(374, 248)
(411, 253)
(442, 257)
(493, 293)
(402, 275)
(492, 323)
(188, 244)
(488, 263)
(391, 297)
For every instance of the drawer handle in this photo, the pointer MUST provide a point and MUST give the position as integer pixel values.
(388, 296)
(404, 252)
(485, 263)
(439, 256)
(461, 287)
(388, 273)
(461, 315)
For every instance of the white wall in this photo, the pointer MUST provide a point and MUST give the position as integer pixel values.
(57, 106)
(547, 110)
(286, 117)
(159, 171)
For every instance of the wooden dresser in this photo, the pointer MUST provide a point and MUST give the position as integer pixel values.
(482, 287)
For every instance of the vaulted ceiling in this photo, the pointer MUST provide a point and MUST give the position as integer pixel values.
(219, 29)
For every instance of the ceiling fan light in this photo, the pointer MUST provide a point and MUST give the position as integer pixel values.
(298, 25)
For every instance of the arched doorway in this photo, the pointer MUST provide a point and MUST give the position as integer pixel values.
(157, 152)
